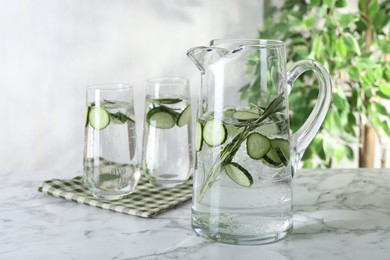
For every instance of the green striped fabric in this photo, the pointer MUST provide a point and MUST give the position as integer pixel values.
(147, 201)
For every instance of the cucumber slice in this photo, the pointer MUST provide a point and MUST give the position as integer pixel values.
(228, 112)
(272, 159)
(214, 132)
(257, 146)
(279, 154)
(166, 100)
(245, 115)
(282, 148)
(238, 174)
(87, 115)
(184, 117)
(268, 129)
(161, 117)
(198, 137)
(98, 118)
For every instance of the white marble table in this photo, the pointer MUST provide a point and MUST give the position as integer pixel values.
(339, 214)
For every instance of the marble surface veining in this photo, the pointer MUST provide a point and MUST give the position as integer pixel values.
(339, 214)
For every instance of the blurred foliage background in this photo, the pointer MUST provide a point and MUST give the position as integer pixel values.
(354, 46)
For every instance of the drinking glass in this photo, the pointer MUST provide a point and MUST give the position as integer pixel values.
(111, 164)
(167, 156)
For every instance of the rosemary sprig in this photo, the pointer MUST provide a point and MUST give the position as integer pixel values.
(120, 118)
(229, 151)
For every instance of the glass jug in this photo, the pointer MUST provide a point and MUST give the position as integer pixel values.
(245, 154)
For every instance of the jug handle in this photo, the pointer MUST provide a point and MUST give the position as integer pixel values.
(305, 134)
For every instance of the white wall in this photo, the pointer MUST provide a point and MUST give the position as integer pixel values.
(51, 49)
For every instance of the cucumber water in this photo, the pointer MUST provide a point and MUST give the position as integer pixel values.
(248, 173)
(110, 158)
(167, 153)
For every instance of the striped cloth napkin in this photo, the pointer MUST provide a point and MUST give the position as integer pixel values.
(147, 201)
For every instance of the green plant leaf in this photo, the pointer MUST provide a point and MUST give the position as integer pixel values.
(368, 92)
(354, 73)
(315, 3)
(384, 91)
(381, 109)
(385, 127)
(329, 146)
(297, 39)
(340, 100)
(341, 47)
(317, 141)
(362, 6)
(341, 3)
(374, 74)
(351, 42)
(361, 26)
(318, 147)
(373, 9)
(352, 119)
(345, 20)
(316, 46)
(349, 152)
(302, 50)
(380, 20)
(329, 3)
(338, 122)
(386, 74)
(333, 123)
(329, 122)
(374, 118)
(353, 99)
(308, 153)
(359, 95)
(295, 23)
(338, 153)
(384, 45)
(308, 163)
(375, 121)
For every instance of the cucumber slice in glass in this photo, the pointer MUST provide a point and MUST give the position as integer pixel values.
(166, 100)
(161, 117)
(184, 117)
(282, 148)
(272, 159)
(98, 118)
(279, 154)
(268, 129)
(198, 137)
(214, 132)
(86, 117)
(238, 174)
(257, 146)
(228, 112)
(245, 115)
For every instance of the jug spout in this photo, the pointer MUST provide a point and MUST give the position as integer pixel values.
(201, 56)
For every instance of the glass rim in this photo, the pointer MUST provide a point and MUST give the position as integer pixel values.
(262, 43)
(168, 81)
(110, 86)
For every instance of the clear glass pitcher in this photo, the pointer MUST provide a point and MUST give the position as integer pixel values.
(246, 155)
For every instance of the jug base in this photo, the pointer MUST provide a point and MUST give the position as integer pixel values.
(242, 239)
